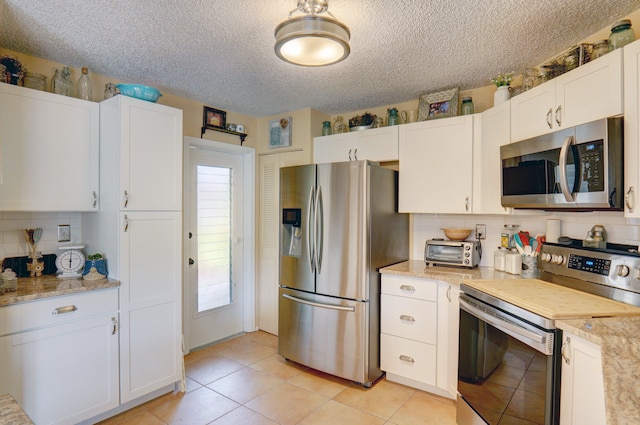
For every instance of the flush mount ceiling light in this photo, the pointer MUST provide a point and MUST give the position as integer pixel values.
(312, 40)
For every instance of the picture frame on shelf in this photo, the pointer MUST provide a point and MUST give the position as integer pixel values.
(214, 118)
(440, 104)
(280, 133)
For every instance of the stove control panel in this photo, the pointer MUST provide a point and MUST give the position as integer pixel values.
(589, 264)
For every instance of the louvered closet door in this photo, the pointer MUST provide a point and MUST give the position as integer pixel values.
(268, 255)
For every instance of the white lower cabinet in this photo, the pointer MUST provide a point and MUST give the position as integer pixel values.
(62, 368)
(582, 384)
(417, 334)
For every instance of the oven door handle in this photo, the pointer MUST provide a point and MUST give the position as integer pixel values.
(498, 323)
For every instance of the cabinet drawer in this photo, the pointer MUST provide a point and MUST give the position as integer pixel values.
(39, 313)
(423, 289)
(411, 359)
(409, 318)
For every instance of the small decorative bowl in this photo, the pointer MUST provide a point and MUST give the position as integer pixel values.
(139, 91)
(361, 127)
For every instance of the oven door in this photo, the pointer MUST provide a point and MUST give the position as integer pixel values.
(508, 370)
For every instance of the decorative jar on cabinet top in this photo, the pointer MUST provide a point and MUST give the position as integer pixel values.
(326, 128)
(501, 95)
(621, 35)
(467, 106)
(339, 126)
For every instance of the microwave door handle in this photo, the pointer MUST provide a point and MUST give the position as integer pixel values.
(577, 161)
(310, 231)
(564, 181)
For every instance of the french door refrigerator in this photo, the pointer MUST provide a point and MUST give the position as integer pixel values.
(339, 226)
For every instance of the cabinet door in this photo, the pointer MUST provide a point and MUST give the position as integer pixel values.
(532, 112)
(436, 166)
(447, 345)
(582, 389)
(377, 144)
(632, 129)
(151, 156)
(49, 147)
(151, 294)
(590, 92)
(487, 170)
(334, 148)
(63, 374)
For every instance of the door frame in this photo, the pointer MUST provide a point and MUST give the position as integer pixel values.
(248, 221)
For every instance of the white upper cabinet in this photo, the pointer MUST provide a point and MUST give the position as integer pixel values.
(375, 144)
(436, 160)
(149, 137)
(585, 94)
(495, 131)
(631, 129)
(49, 151)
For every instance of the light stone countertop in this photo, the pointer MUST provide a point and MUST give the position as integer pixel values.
(11, 412)
(454, 275)
(35, 288)
(620, 344)
(617, 337)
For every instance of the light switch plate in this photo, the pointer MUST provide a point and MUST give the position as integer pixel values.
(64, 233)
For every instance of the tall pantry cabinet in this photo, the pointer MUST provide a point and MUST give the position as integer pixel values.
(138, 229)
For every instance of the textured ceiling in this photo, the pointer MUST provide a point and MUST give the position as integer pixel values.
(220, 52)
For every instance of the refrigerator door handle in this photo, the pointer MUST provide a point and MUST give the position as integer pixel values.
(310, 232)
(321, 305)
(318, 229)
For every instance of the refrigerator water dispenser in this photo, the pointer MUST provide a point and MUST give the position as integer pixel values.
(291, 218)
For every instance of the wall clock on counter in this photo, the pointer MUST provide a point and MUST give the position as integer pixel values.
(71, 261)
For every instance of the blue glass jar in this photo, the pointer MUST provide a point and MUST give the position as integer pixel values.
(326, 128)
(467, 106)
(621, 35)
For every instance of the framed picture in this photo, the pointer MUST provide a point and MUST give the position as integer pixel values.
(440, 104)
(214, 118)
(280, 133)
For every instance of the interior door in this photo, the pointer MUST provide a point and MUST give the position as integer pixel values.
(215, 225)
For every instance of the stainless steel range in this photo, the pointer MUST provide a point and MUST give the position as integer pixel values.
(509, 354)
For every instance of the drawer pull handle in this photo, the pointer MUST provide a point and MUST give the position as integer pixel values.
(62, 310)
(407, 359)
(407, 288)
(407, 318)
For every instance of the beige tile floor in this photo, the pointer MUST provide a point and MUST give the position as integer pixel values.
(244, 381)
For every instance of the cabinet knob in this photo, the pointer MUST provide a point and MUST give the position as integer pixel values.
(114, 326)
(349, 154)
(125, 199)
(95, 199)
(191, 262)
(355, 155)
(549, 122)
(126, 223)
(407, 288)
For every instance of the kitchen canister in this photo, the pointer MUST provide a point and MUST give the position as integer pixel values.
(499, 259)
(530, 269)
(513, 262)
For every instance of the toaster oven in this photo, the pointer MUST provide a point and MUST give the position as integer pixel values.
(452, 253)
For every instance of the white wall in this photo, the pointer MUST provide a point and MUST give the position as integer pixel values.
(12, 225)
(574, 225)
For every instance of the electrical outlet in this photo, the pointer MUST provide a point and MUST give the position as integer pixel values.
(64, 233)
(481, 231)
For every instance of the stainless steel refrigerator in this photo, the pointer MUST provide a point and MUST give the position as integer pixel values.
(339, 226)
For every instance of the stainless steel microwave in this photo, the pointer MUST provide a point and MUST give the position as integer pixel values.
(578, 168)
